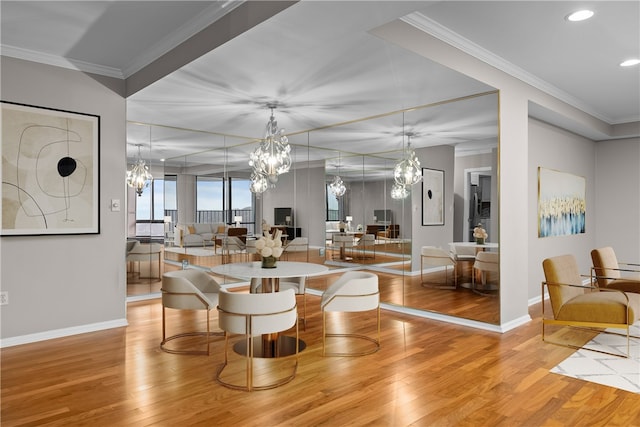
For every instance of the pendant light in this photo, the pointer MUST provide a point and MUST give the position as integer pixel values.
(273, 156)
(337, 186)
(138, 176)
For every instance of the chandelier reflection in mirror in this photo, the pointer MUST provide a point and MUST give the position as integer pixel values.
(399, 192)
(272, 157)
(259, 183)
(138, 176)
(407, 172)
(337, 186)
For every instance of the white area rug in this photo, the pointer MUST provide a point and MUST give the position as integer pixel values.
(192, 251)
(618, 372)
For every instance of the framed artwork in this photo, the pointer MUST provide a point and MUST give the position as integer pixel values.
(432, 197)
(561, 203)
(50, 171)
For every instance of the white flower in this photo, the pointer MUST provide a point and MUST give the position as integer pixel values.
(270, 244)
(480, 233)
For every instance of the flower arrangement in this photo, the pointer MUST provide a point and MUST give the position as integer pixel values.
(269, 247)
(480, 234)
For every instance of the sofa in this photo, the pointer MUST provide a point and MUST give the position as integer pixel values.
(198, 234)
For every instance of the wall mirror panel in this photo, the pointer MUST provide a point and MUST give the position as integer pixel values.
(437, 134)
(145, 207)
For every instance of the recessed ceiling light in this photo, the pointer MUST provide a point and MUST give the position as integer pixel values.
(630, 62)
(580, 15)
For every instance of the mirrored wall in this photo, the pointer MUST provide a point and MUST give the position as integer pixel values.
(467, 196)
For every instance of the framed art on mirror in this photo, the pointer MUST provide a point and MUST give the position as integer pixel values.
(50, 171)
(432, 197)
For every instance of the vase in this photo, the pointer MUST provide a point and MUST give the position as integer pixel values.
(269, 262)
(479, 241)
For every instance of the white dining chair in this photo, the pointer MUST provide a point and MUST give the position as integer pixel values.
(354, 291)
(188, 290)
(257, 316)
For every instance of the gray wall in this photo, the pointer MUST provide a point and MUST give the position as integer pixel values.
(617, 201)
(442, 158)
(554, 148)
(303, 190)
(68, 284)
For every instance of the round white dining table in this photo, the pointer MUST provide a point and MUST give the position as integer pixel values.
(283, 270)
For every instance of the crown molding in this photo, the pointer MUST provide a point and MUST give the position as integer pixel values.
(207, 17)
(165, 45)
(429, 26)
(59, 61)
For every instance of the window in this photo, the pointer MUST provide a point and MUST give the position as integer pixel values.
(333, 206)
(150, 210)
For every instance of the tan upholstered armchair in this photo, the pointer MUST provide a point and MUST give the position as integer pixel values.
(584, 306)
(611, 274)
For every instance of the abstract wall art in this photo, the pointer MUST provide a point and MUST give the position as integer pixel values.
(50, 171)
(561, 203)
(432, 197)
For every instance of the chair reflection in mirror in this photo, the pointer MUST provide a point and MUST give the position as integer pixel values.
(465, 256)
(391, 232)
(354, 291)
(254, 315)
(299, 245)
(608, 273)
(431, 256)
(585, 306)
(231, 245)
(366, 247)
(251, 250)
(341, 243)
(487, 264)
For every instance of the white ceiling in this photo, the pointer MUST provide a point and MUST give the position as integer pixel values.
(318, 62)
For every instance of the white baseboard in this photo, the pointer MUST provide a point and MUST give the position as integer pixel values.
(59, 333)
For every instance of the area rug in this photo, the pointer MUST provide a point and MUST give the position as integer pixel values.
(192, 251)
(618, 372)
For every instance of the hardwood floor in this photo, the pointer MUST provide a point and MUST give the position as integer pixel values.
(427, 373)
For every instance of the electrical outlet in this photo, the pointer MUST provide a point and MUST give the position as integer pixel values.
(4, 298)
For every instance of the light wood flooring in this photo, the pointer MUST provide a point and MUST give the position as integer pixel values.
(427, 373)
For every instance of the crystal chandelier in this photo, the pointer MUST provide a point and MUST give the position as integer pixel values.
(272, 157)
(138, 176)
(407, 172)
(399, 192)
(259, 183)
(337, 186)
